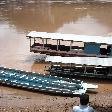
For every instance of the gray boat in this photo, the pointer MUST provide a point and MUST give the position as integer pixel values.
(87, 67)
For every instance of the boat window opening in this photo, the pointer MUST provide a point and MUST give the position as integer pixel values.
(102, 70)
(37, 42)
(109, 49)
(79, 69)
(103, 46)
(110, 70)
(103, 50)
(78, 66)
(89, 69)
(78, 46)
(34, 40)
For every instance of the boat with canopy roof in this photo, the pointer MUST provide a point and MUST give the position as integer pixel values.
(93, 59)
(92, 67)
(58, 44)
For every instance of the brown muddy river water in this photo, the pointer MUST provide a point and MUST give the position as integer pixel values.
(17, 18)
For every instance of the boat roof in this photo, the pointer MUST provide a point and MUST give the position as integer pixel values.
(80, 60)
(71, 37)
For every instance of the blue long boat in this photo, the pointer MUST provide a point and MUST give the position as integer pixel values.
(40, 82)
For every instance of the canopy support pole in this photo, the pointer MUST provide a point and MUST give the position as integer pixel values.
(30, 44)
(95, 72)
(34, 40)
(85, 69)
(59, 42)
(111, 50)
(71, 45)
(43, 42)
(57, 45)
(46, 41)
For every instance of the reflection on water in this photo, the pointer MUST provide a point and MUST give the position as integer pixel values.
(56, 17)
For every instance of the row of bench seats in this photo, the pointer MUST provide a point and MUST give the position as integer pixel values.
(78, 70)
(28, 81)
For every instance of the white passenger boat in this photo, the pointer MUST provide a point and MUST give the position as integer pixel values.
(58, 44)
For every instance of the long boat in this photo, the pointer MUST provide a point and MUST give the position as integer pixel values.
(92, 67)
(58, 44)
(43, 83)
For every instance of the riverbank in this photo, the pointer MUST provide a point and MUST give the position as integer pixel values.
(15, 100)
(101, 103)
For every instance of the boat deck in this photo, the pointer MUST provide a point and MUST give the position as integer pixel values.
(63, 50)
(51, 50)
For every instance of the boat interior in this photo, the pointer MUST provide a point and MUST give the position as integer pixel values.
(81, 70)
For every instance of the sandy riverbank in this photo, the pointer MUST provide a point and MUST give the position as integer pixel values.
(15, 100)
(100, 102)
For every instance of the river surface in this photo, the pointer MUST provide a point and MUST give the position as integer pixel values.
(18, 17)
